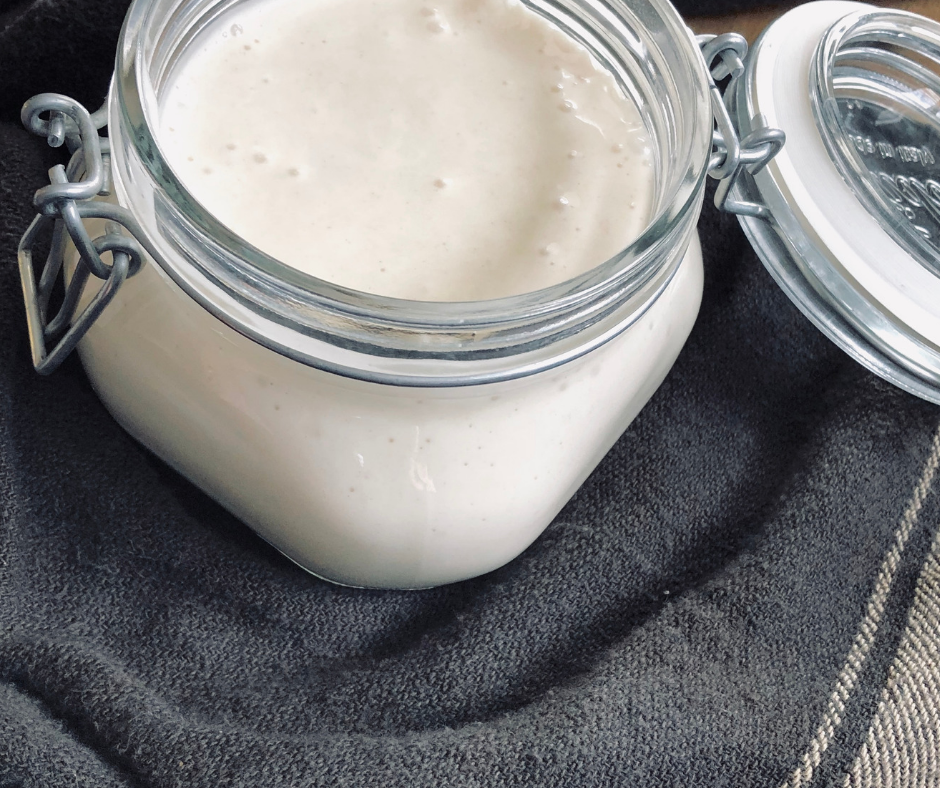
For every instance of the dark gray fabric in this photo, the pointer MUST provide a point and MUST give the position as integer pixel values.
(682, 622)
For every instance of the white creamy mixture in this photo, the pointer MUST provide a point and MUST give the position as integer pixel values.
(461, 151)
(443, 150)
(365, 484)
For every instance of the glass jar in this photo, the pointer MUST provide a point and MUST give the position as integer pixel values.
(380, 442)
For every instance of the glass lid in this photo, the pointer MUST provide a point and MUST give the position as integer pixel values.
(876, 98)
(854, 197)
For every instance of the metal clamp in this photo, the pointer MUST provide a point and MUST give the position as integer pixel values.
(62, 206)
(69, 199)
(725, 57)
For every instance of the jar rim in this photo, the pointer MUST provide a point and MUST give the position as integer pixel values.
(615, 291)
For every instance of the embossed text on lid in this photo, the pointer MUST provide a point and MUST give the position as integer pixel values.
(876, 98)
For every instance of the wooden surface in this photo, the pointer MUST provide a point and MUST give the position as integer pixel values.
(750, 24)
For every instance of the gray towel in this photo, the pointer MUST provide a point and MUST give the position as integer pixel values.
(745, 593)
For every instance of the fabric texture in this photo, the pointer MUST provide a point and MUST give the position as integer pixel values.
(743, 594)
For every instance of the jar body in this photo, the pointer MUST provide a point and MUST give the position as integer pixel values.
(370, 484)
(382, 442)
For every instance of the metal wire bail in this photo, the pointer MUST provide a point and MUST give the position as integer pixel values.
(69, 199)
(62, 206)
(725, 57)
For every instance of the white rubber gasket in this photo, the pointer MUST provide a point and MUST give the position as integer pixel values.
(825, 206)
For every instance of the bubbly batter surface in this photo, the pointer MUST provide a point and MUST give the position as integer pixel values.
(452, 150)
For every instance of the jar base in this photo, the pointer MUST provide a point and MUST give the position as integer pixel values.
(340, 583)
